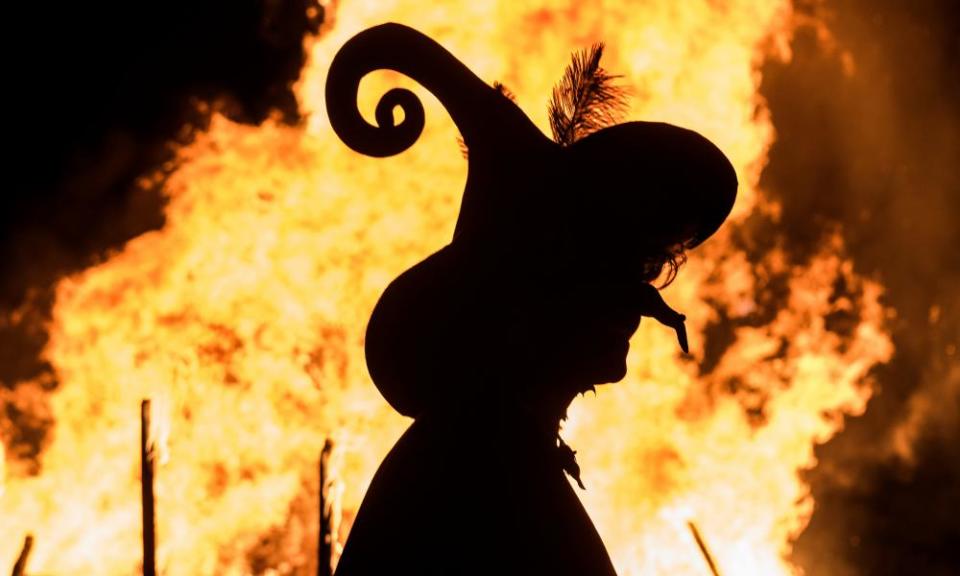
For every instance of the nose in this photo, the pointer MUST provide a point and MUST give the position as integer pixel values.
(650, 303)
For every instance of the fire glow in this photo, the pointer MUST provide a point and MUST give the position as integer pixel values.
(244, 317)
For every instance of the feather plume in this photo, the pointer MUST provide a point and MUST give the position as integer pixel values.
(586, 100)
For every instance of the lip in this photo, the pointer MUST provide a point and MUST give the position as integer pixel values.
(617, 340)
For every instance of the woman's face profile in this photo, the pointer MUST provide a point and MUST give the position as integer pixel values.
(576, 329)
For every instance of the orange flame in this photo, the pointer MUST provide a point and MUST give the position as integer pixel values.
(246, 315)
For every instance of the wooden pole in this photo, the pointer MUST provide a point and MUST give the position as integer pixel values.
(20, 568)
(703, 549)
(147, 456)
(326, 536)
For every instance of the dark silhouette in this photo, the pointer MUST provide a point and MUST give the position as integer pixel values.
(486, 342)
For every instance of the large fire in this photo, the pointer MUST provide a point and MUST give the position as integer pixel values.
(243, 319)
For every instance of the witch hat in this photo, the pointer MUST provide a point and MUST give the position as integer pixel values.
(529, 203)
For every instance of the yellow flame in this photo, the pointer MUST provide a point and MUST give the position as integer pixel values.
(3, 469)
(246, 315)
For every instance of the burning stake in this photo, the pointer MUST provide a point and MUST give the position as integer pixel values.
(147, 456)
(703, 548)
(326, 536)
(20, 568)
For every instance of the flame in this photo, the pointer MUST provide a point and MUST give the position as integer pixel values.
(245, 314)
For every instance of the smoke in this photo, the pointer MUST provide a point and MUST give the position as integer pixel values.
(867, 114)
(99, 95)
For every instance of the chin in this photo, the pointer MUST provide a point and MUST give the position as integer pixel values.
(604, 366)
(617, 369)
(615, 374)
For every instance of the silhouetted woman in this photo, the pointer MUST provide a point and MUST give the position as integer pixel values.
(486, 342)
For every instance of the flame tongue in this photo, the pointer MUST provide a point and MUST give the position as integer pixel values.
(246, 315)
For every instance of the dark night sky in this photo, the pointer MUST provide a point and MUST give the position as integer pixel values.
(99, 91)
